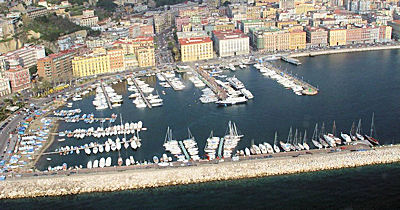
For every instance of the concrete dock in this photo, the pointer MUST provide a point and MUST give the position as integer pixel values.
(210, 82)
(142, 94)
(107, 97)
(308, 88)
(169, 82)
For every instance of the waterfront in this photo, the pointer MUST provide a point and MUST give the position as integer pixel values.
(358, 188)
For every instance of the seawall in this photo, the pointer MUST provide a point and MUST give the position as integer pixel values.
(145, 178)
(344, 50)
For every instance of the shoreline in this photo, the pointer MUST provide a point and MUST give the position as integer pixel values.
(344, 50)
(151, 178)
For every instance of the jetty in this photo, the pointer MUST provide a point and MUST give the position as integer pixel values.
(291, 60)
(105, 94)
(308, 89)
(169, 82)
(141, 93)
(210, 82)
(220, 147)
(82, 181)
(77, 119)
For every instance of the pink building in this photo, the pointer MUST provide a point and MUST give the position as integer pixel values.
(179, 21)
(19, 77)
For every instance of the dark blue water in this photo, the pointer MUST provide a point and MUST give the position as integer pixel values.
(370, 187)
(352, 86)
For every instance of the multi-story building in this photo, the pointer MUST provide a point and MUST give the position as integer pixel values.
(231, 43)
(116, 56)
(270, 39)
(395, 24)
(369, 34)
(145, 57)
(353, 35)
(265, 2)
(56, 67)
(193, 49)
(297, 39)
(18, 76)
(385, 33)
(34, 12)
(27, 56)
(244, 25)
(286, 4)
(336, 36)
(5, 87)
(316, 37)
(283, 24)
(224, 26)
(87, 19)
(91, 64)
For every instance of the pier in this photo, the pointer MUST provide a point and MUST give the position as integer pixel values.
(169, 82)
(80, 148)
(107, 97)
(81, 118)
(211, 83)
(220, 147)
(308, 89)
(291, 60)
(142, 94)
(183, 148)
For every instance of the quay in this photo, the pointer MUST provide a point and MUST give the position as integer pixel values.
(210, 82)
(80, 118)
(184, 150)
(169, 82)
(138, 177)
(291, 60)
(142, 94)
(308, 88)
(107, 97)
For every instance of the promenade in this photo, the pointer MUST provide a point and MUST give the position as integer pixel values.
(144, 178)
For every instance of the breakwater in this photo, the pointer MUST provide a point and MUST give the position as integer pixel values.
(144, 178)
(343, 50)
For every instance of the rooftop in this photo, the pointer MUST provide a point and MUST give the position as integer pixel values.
(229, 34)
(196, 40)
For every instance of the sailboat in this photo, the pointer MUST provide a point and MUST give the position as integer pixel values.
(295, 143)
(370, 137)
(286, 146)
(300, 144)
(353, 132)
(276, 148)
(359, 131)
(321, 140)
(337, 140)
(305, 145)
(314, 138)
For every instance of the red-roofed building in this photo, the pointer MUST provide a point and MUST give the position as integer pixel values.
(231, 43)
(193, 49)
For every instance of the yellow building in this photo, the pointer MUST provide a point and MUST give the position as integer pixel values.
(336, 36)
(145, 57)
(253, 12)
(297, 39)
(186, 27)
(282, 24)
(268, 12)
(304, 8)
(83, 66)
(223, 27)
(193, 49)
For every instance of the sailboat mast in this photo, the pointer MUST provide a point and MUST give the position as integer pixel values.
(304, 137)
(276, 137)
(334, 128)
(372, 124)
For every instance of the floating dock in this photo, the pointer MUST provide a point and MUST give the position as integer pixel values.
(169, 82)
(220, 147)
(107, 97)
(291, 60)
(185, 152)
(211, 83)
(142, 94)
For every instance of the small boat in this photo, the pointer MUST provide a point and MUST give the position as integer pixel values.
(61, 140)
(155, 159)
(89, 164)
(120, 161)
(127, 162)
(48, 159)
(95, 164)
(276, 148)
(102, 162)
(370, 138)
(108, 161)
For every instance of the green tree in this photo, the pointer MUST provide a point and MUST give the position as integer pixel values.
(33, 70)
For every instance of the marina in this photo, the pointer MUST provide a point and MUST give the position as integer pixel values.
(143, 97)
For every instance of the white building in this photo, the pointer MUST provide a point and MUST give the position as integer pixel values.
(231, 43)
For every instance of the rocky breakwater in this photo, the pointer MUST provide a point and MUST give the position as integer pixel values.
(136, 179)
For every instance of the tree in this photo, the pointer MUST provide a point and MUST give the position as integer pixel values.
(226, 3)
(33, 70)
